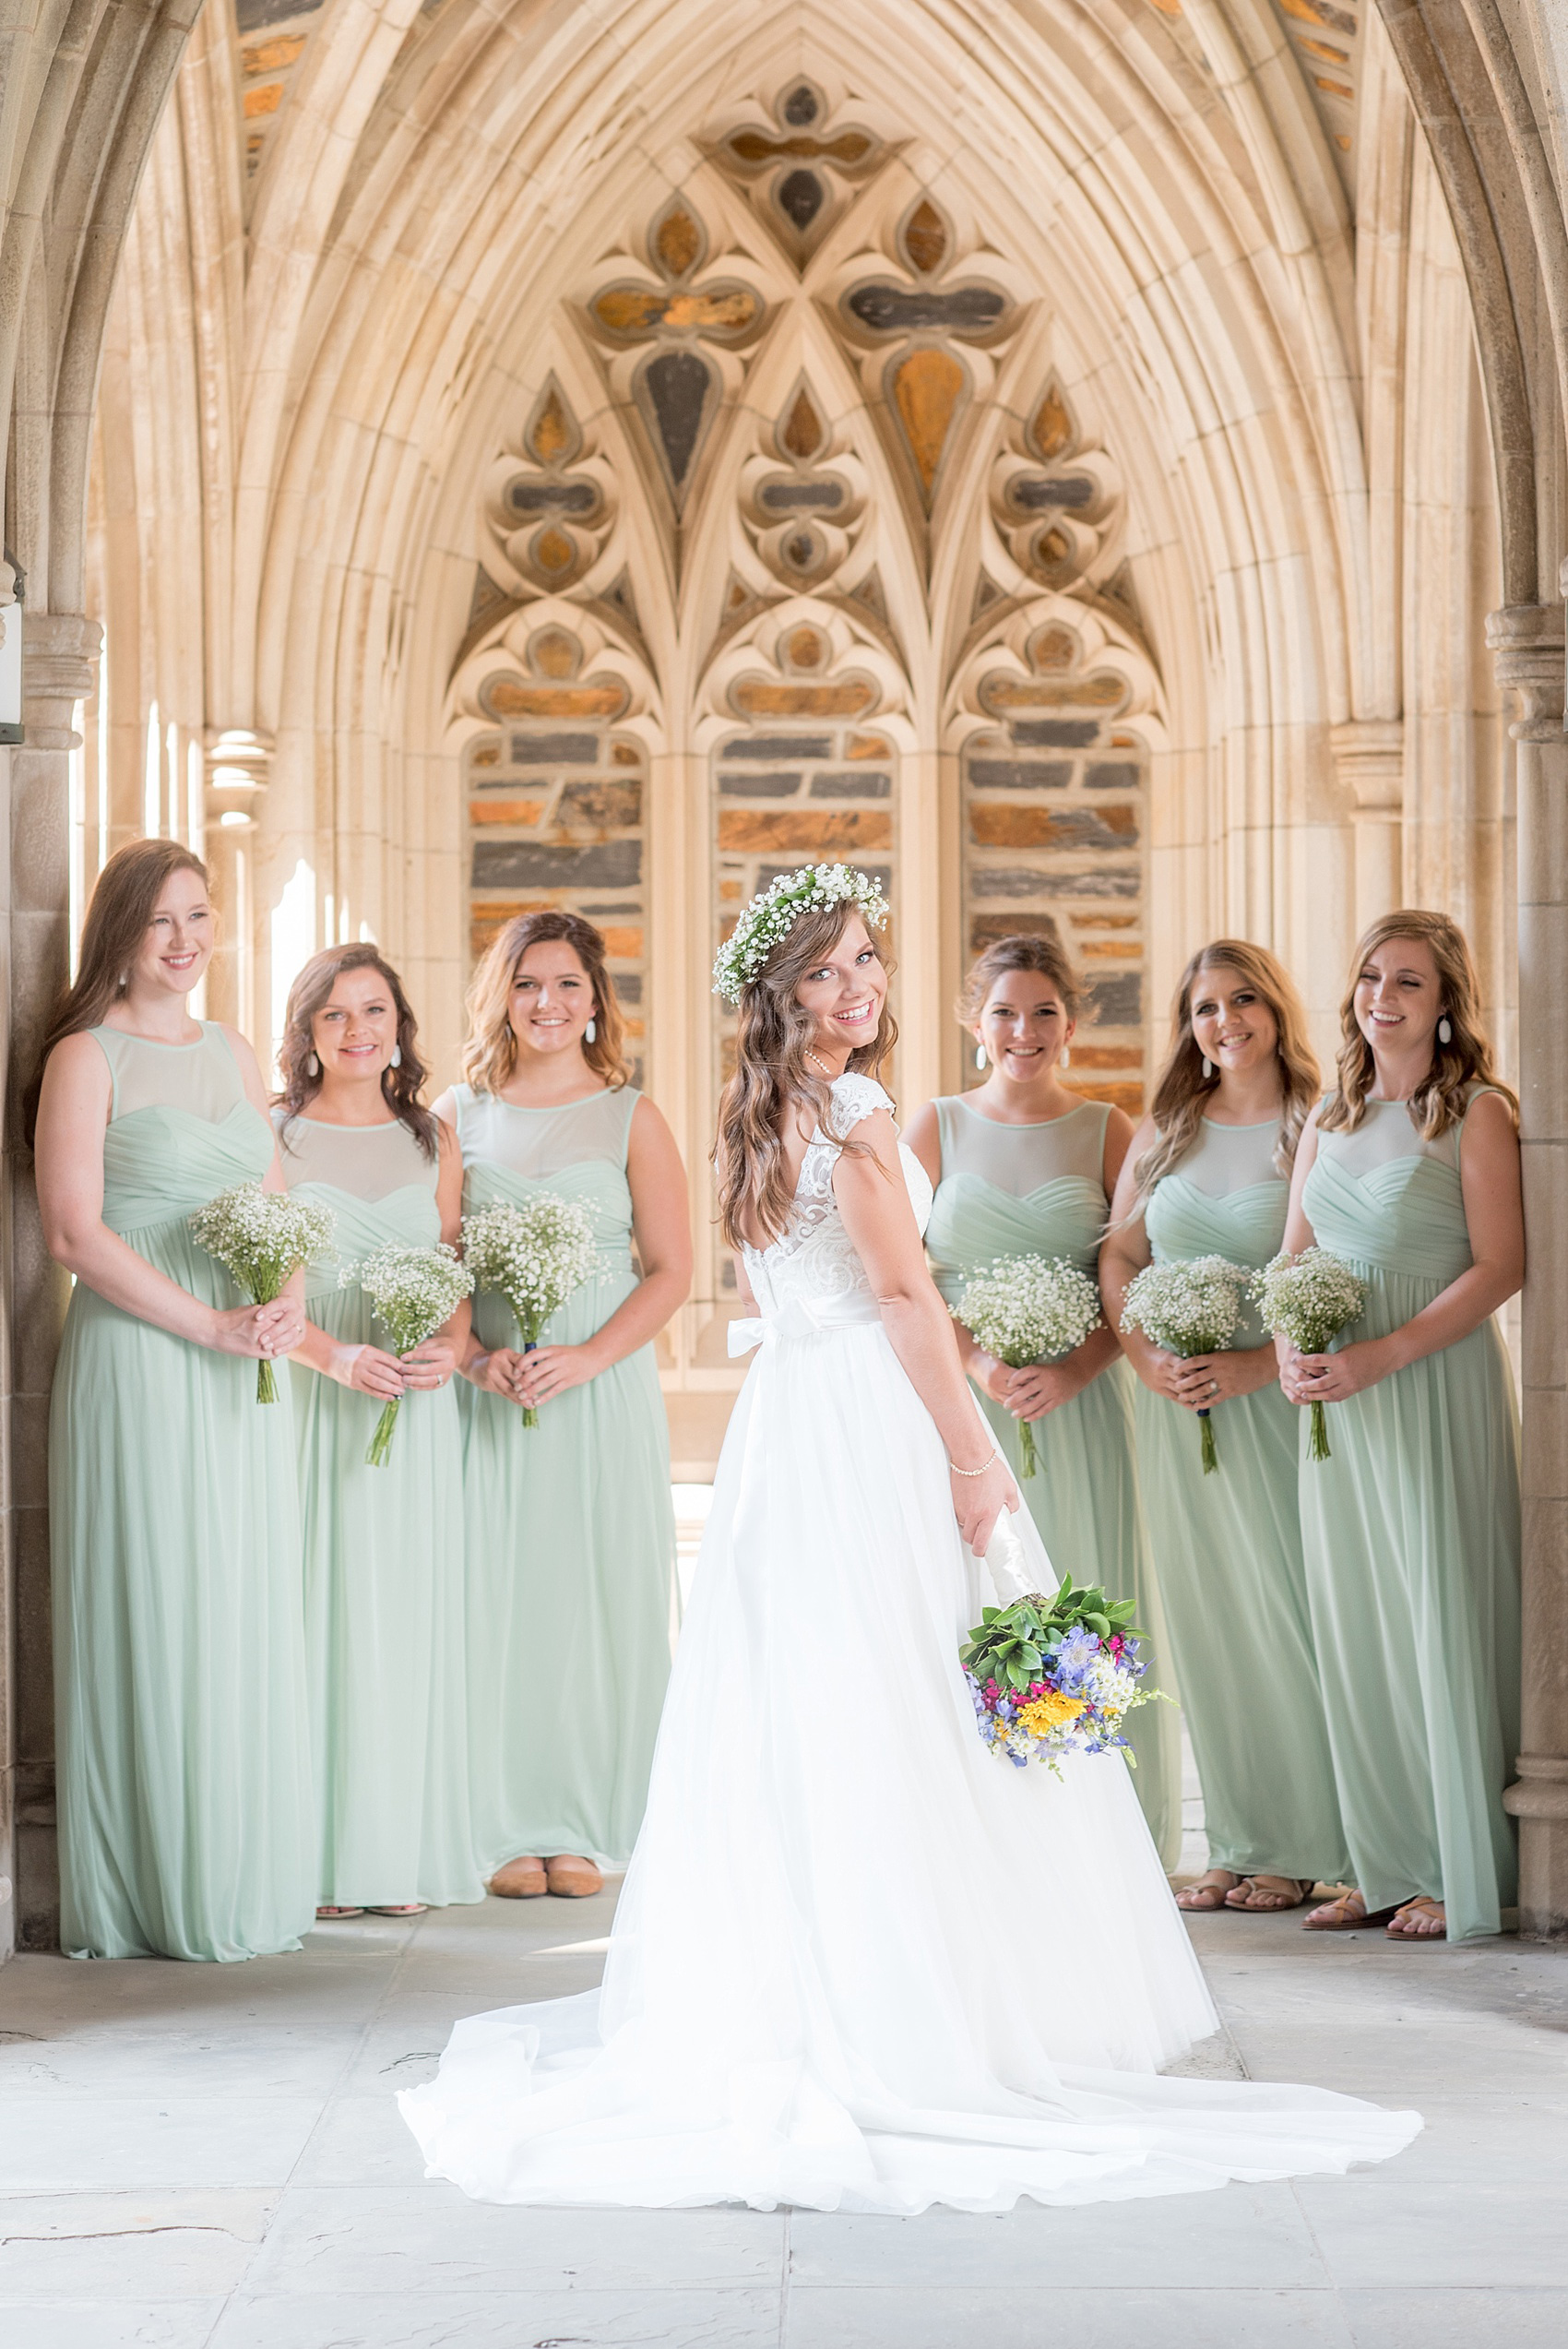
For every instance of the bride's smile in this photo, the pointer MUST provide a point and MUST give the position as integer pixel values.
(846, 993)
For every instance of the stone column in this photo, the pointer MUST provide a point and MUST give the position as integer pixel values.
(238, 766)
(1369, 755)
(1527, 644)
(57, 672)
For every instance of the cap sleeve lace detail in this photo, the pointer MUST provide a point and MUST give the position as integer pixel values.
(854, 1098)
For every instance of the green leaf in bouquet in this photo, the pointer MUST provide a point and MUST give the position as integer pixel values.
(1030, 1656)
(1099, 1623)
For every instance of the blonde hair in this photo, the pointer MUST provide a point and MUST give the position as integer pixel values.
(1047, 956)
(490, 1055)
(1182, 1090)
(773, 1034)
(1439, 1101)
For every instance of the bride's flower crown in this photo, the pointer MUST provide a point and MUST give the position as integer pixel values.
(773, 914)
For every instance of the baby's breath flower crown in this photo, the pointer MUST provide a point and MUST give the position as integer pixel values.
(773, 914)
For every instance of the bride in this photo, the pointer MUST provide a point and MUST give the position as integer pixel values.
(859, 1962)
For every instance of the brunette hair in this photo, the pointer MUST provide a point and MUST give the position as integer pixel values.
(772, 1036)
(490, 1054)
(310, 993)
(1182, 1090)
(1047, 956)
(1440, 1099)
(124, 898)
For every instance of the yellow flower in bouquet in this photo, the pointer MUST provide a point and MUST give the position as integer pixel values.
(1043, 1715)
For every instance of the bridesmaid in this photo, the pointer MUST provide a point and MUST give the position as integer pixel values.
(385, 1606)
(1024, 1166)
(1409, 1171)
(571, 1542)
(1208, 1174)
(185, 1825)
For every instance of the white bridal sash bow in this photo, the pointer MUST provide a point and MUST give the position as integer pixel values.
(804, 1318)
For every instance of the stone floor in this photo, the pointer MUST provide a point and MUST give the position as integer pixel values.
(211, 2155)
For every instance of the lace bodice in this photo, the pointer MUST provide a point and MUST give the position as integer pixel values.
(810, 1278)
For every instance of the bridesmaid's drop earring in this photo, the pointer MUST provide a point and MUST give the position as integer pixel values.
(1066, 1055)
(1208, 1069)
(313, 1066)
(980, 1056)
(590, 1031)
(1444, 1030)
(397, 1057)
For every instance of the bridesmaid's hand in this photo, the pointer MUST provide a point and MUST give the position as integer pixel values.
(992, 1376)
(430, 1366)
(369, 1372)
(259, 1333)
(1167, 1374)
(1334, 1377)
(1206, 1380)
(499, 1373)
(1041, 1387)
(550, 1371)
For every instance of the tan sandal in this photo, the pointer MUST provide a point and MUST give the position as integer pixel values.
(1338, 1917)
(1259, 1900)
(1194, 1898)
(334, 1916)
(1423, 1906)
(571, 1878)
(521, 1879)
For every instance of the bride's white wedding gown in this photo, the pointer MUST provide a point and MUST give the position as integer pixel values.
(859, 1962)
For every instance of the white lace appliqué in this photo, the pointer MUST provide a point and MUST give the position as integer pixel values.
(815, 1258)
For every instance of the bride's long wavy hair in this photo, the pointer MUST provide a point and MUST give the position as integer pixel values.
(773, 1076)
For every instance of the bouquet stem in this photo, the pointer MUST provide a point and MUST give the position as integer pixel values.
(531, 1416)
(381, 1442)
(1210, 1457)
(1317, 1442)
(1029, 1451)
(266, 1382)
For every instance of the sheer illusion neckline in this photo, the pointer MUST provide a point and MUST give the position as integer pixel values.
(135, 1036)
(1026, 1124)
(552, 1108)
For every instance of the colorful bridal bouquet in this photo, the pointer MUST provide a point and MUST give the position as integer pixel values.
(1309, 1299)
(261, 1238)
(1189, 1309)
(1055, 1675)
(1025, 1310)
(534, 1256)
(413, 1293)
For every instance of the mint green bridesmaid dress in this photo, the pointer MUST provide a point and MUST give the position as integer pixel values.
(1039, 1190)
(184, 1740)
(571, 1529)
(1412, 1533)
(1228, 1547)
(385, 1618)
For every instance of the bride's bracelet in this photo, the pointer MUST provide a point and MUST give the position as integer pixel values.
(955, 1471)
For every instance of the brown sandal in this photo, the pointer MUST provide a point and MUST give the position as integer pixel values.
(1422, 1905)
(1249, 1895)
(1193, 1898)
(1338, 1917)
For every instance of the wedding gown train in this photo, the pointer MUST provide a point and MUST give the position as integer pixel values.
(860, 1963)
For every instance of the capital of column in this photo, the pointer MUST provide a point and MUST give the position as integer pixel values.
(238, 763)
(1369, 755)
(1529, 650)
(59, 669)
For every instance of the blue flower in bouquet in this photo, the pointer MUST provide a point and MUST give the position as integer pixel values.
(1079, 1649)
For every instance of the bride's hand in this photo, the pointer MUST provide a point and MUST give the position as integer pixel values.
(979, 1501)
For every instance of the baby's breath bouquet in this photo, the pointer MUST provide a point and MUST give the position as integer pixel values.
(263, 1237)
(1189, 1309)
(1025, 1309)
(413, 1293)
(1309, 1299)
(534, 1256)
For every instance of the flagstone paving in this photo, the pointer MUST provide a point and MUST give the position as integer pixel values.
(208, 2157)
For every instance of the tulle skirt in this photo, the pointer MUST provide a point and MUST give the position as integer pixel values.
(860, 1963)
